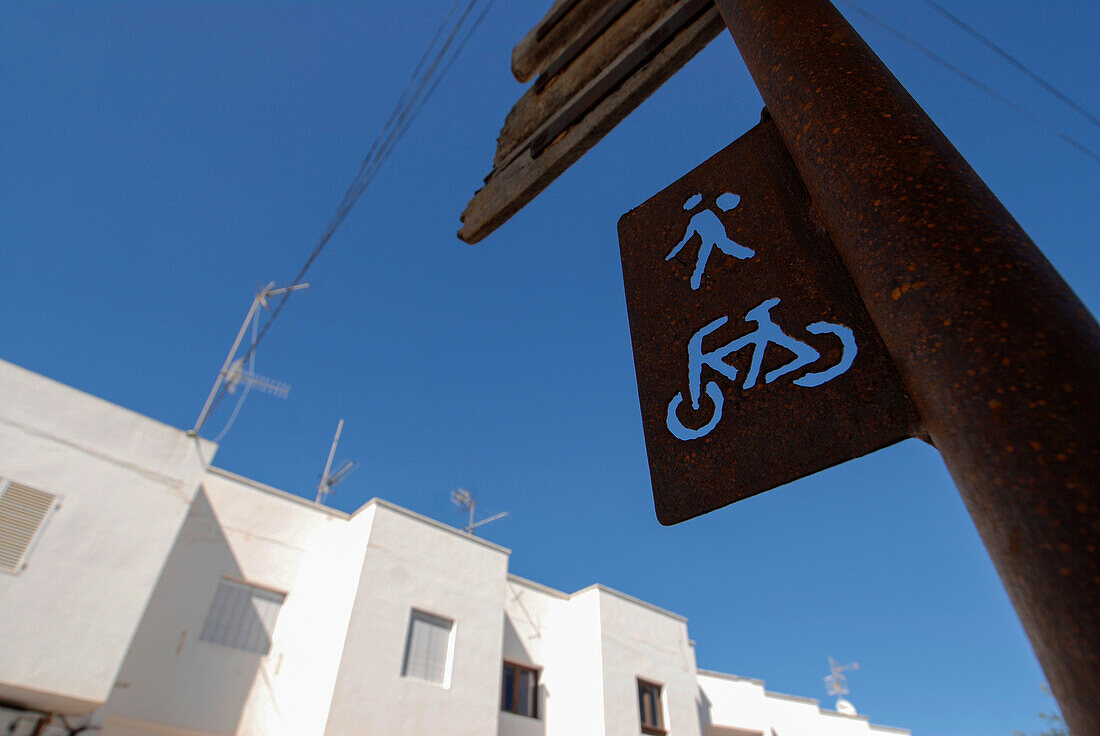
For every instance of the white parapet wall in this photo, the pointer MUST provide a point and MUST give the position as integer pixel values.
(123, 484)
(741, 706)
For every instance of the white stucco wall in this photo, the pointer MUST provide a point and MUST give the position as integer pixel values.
(728, 700)
(415, 563)
(311, 631)
(739, 706)
(244, 531)
(529, 610)
(590, 648)
(125, 483)
(558, 635)
(642, 641)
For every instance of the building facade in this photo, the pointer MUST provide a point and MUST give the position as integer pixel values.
(146, 592)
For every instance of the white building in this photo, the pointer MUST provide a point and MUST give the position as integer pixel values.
(156, 594)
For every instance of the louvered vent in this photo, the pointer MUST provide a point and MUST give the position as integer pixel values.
(23, 510)
(242, 616)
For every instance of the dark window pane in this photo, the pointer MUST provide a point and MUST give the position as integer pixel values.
(523, 694)
(519, 690)
(649, 707)
(508, 691)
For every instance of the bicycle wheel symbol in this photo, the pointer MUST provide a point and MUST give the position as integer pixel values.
(681, 432)
(766, 332)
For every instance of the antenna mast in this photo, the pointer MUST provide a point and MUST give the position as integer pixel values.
(324, 488)
(233, 372)
(464, 499)
(836, 683)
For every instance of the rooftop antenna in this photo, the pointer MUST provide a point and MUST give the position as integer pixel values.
(324, 488)
(836, 683)
(464, 499)
(233, 372)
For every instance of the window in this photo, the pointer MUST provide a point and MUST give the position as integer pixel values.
(519, 690)
(23, 513)
(428, 648)
(649, 707)
(242, 616)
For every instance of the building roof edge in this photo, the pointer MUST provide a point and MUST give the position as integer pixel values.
(431, 522)
(631, 599)
(272, 490)
(728, 676)
(513, 578)
(891, 729)
(794, 698)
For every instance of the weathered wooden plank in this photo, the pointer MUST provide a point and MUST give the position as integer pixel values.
(557, 12)
(637, 72)
(611, 13)
(566, 21)
(535, 106)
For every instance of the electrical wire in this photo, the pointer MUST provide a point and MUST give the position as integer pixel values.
(422, 84)
(1020, 66)
(247, 385)
(973, 80)
(233, 416)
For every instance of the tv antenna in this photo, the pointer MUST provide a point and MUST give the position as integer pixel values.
(464, 499)
(329, 480)
(233, 373)
(836, 683)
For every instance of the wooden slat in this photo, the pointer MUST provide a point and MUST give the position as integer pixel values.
(581, 121)
(593, 30)
(555, 16)
(536, 106)
(566, 21)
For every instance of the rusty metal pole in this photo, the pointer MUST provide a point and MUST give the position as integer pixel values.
(1000, 356)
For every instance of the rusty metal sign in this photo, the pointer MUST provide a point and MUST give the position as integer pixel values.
(757, 363)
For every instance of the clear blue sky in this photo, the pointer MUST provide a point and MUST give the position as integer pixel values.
(162, 160)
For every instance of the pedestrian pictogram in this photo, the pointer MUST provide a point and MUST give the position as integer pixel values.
(711, 232)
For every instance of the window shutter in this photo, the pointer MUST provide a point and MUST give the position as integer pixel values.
(242, 617)
(23, 512)
(427, 648)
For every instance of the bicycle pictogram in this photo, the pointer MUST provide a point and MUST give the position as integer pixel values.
(766, 332)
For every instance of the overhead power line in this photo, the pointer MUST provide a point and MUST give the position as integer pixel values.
(447, 43)
(973, 80)
(1020, 66)
(247, 386)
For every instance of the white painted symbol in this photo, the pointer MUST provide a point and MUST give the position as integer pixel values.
(712, 232)
(766, 332)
